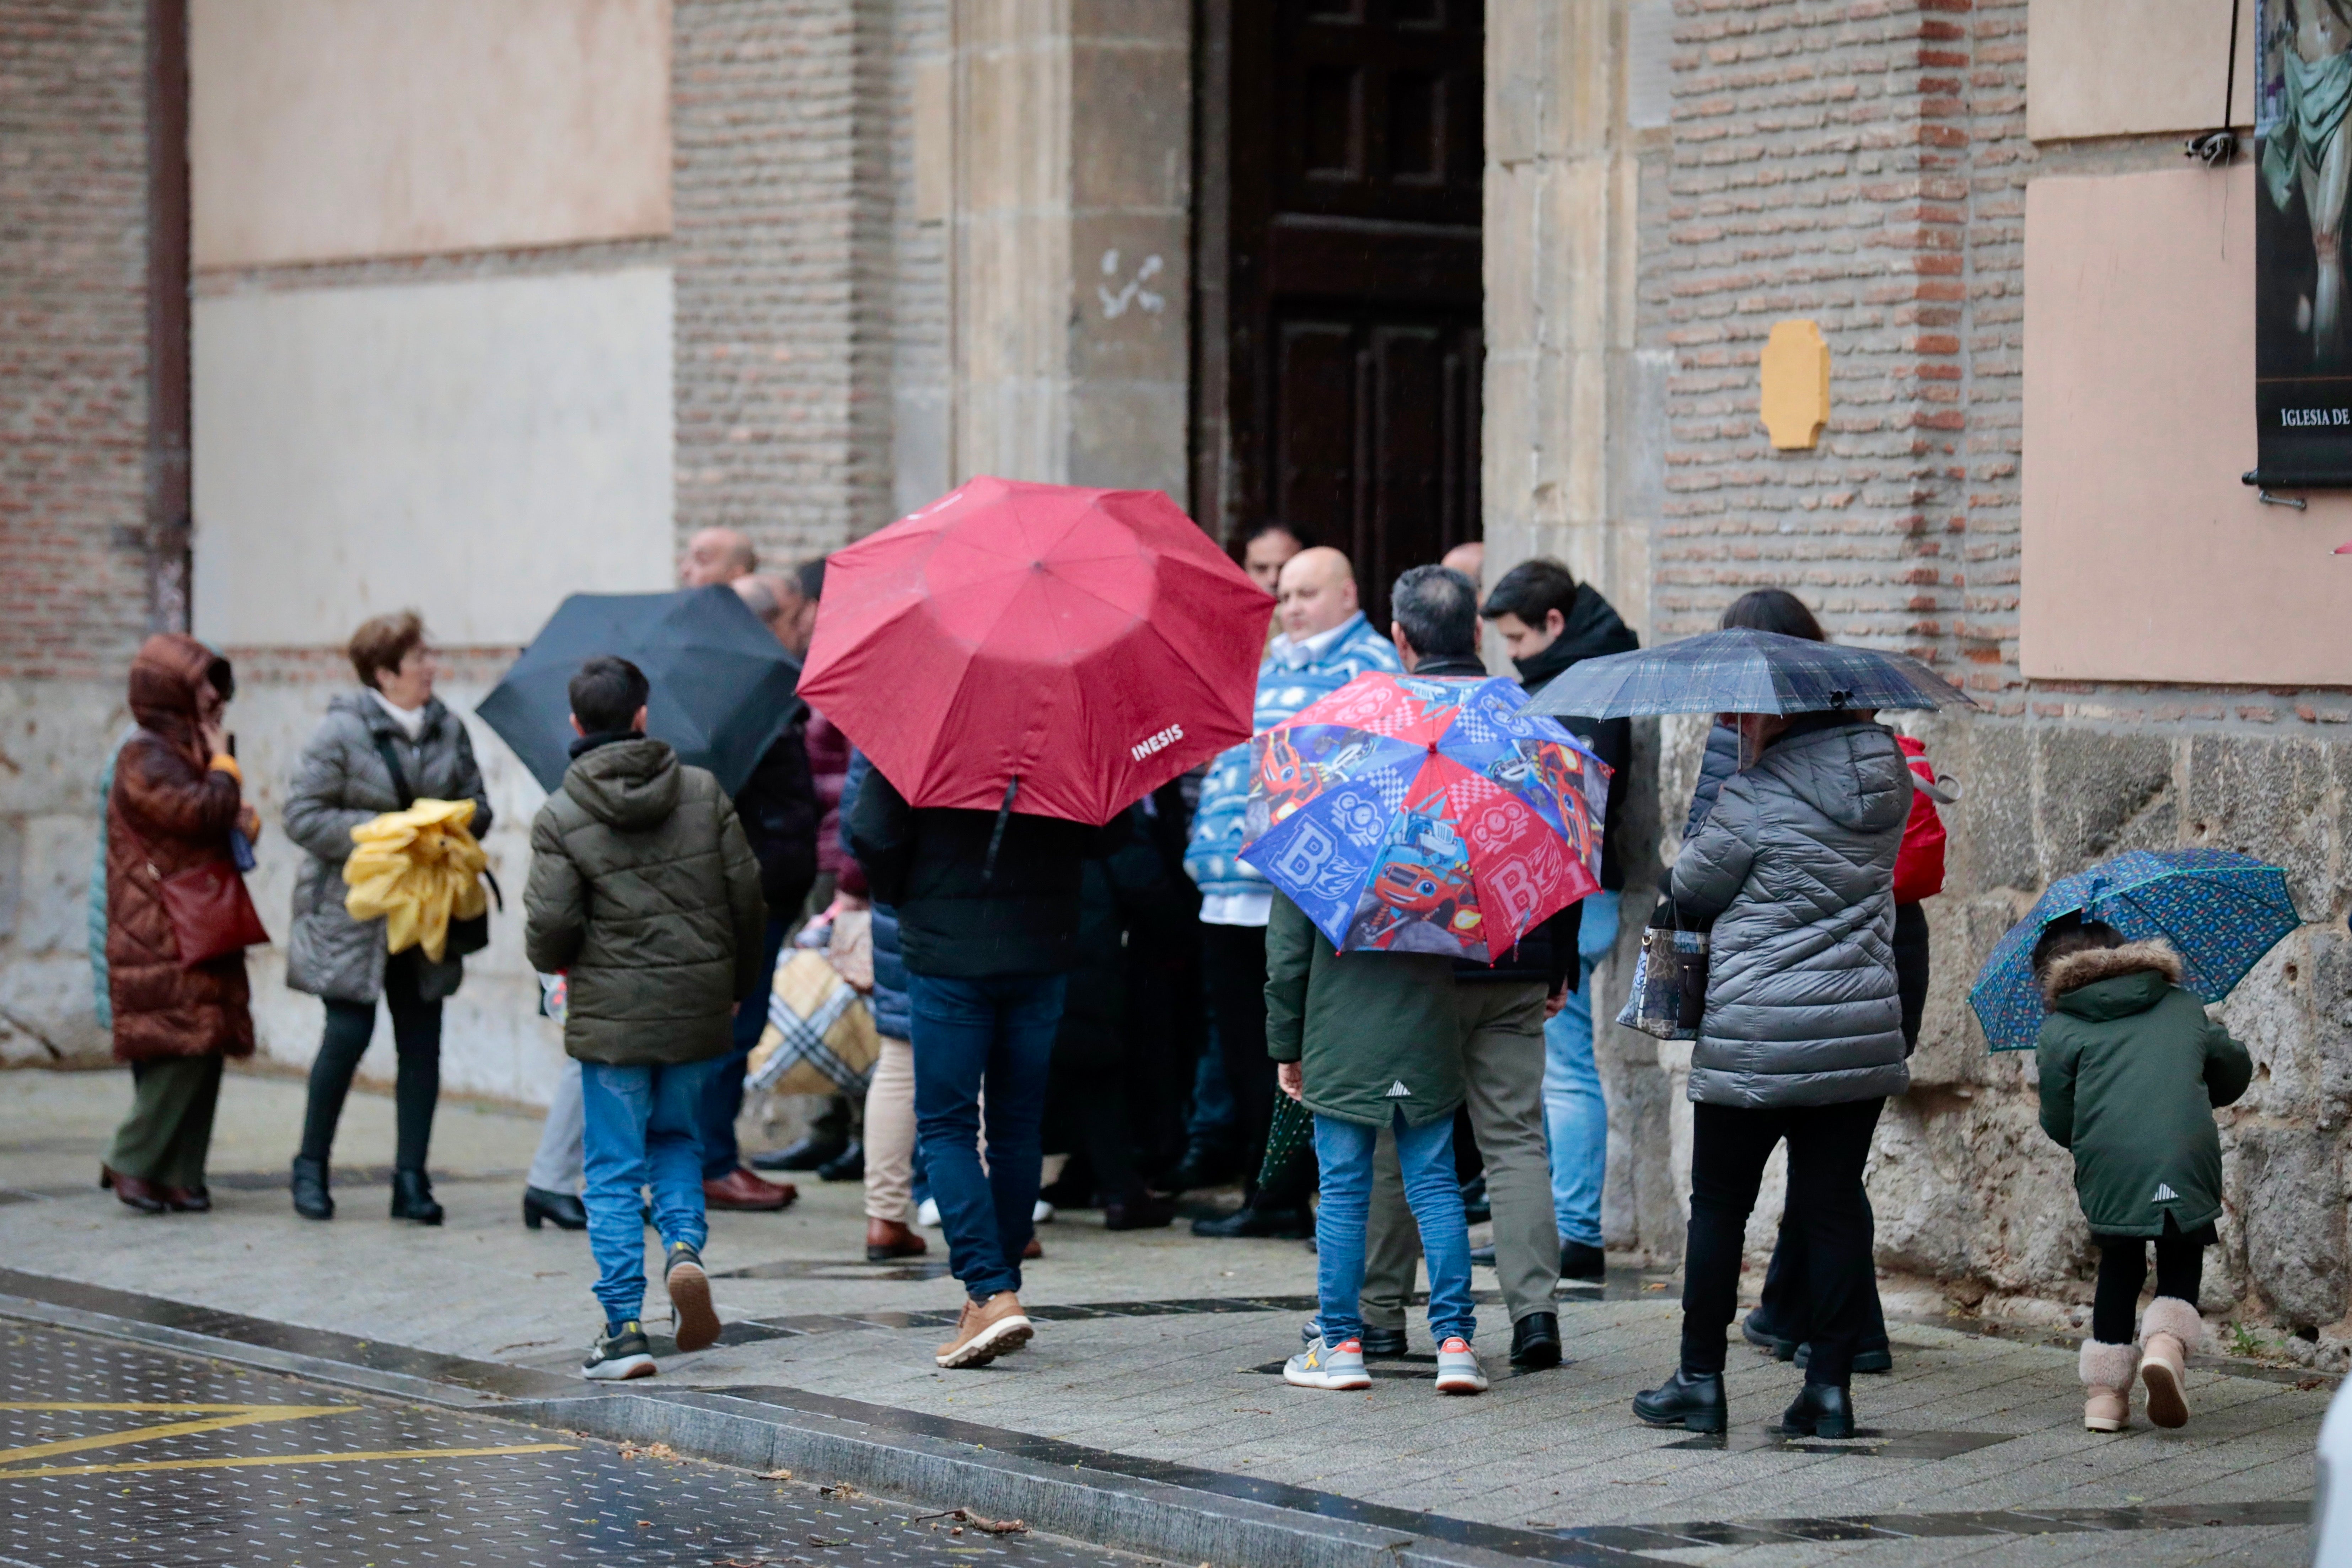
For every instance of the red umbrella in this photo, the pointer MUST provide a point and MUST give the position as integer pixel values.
(1075, 649)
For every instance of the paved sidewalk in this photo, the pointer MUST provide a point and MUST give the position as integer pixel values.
(1159, 1347)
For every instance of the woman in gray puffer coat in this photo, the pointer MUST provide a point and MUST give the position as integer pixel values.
(1802, 1039)
(382, 747)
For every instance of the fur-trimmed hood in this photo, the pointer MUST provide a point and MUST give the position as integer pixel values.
(2077, 970)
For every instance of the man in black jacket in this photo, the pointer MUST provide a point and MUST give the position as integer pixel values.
(1549, 621)
(1501, 1007)
(778, 807)
(988, 926)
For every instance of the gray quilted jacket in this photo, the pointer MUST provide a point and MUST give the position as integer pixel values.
(1796, 868)
(340, 782)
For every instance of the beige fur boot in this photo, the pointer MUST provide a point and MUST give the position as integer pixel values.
(2167, 1331)
(2108, 1372)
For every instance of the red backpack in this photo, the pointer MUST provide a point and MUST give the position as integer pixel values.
(1919, 864)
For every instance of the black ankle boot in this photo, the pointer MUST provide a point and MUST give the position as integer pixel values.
(1535, 1341)
(311, 1200)
(1823, 1410)
(411, 1198)
(1693, 1400)
(539, 1205)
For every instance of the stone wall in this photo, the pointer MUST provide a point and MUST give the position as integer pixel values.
(73, 481)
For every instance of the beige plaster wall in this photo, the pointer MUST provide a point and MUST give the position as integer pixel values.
(476, 449)
(2145, 558)
(2132, 68)
(323, 129)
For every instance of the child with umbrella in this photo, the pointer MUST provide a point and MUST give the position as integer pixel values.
(2125, 956)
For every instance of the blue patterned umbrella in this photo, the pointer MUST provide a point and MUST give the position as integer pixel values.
(1745, 672)
(2219, 911)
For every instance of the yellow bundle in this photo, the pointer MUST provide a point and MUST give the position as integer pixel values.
(418, 870)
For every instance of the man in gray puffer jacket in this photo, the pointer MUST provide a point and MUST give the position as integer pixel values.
(1802, 1039)
(644, 892)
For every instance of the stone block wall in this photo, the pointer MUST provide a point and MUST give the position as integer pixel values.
(1865, 166)
(73, 482)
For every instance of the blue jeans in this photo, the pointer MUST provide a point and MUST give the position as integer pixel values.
(1344, 1151)
(1576, 1119)
(640, 1130)
(722, 1097)
(996, 1033)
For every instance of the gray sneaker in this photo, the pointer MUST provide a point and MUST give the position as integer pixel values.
(614, 1357)
(1458, 1371)
(689, 1298)
(1328, 1366)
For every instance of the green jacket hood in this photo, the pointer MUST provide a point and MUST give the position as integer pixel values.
(627, 785)
(2110, 982)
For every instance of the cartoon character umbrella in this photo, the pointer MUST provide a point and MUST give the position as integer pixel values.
(1425, 815)
(2219, 911)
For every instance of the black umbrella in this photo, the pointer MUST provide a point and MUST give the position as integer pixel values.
(722, 685)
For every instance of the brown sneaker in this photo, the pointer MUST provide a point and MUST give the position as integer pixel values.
(985, 1331)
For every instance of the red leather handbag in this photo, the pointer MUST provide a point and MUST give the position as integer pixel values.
(212, 914)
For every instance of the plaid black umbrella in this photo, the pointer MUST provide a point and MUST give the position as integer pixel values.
(1745, 672)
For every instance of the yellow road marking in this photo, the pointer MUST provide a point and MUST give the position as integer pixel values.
(251, 1459)
(244, 1415)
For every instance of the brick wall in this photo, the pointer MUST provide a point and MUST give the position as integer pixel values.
(781, 114)
(73, 336)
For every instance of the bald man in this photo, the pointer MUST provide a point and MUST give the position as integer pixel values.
(1470, 559)
(1326, 642)
(716, 556)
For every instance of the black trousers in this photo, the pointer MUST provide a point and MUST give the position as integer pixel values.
(416, 1035)
(1827, 1146)
(1234, 962)
(1911, 970)
(2123, 1271)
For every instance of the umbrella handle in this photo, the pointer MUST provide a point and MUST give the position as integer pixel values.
(996, 835)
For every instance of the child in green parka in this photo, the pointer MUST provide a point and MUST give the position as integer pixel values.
(2131, 1071)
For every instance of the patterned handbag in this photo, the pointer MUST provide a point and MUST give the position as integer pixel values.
(1669, 996)
(820, 1037)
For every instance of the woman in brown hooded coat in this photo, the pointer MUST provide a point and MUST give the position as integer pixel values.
(177, 794)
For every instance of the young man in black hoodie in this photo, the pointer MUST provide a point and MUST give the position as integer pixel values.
(1501, 1008)
(1549, 621)
(988, 927)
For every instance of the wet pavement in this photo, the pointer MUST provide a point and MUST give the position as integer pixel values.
(114, 1454)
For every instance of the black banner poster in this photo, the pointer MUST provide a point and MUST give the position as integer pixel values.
(2303, 309)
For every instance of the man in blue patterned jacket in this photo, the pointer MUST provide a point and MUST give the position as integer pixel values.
(1326, 642)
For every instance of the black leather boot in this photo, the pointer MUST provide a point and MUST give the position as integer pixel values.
(568, 1211)
(411, 1198)
(1535, 1341)
(311, 1200)
(1823, 1410)
(1693, 1400)
(1581, 1262)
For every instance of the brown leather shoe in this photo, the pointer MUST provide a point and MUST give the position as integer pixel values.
(985, 1331)
(189, 1200)
(739, 1189)
(1035, 1250)
(136, 1191)
(888, 1238)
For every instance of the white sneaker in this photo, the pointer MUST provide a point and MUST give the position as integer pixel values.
(1320, 1365)
(1043, 1213)
(1458, 1371)
(927, 1214)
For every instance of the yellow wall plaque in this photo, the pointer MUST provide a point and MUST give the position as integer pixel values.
(1796, 384)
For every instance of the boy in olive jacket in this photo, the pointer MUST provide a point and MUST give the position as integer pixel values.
(2131, 1070)
(1367, 1041)
(644, 890)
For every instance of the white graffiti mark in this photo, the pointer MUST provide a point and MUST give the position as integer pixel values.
(1131, 292)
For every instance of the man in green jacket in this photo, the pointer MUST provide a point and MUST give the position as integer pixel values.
(2131, 1071)
(644, 890)
(1368, 1040)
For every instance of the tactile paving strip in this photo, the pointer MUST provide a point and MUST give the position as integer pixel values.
(266, 1483)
